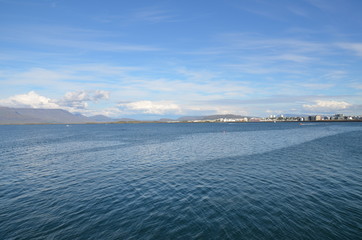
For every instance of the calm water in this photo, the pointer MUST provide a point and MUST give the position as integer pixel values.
(181, 181)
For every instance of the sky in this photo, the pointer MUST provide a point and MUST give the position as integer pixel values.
(149, 59)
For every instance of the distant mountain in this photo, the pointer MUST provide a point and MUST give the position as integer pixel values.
(211, 117)
(166, 120)
(101, 118)
(10, 115)
(189, 118)
(35, 115)
(124, 120)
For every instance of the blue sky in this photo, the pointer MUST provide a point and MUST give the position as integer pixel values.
(152, 59)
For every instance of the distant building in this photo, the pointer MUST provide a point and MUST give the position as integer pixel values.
(339, 116)
(315, 118)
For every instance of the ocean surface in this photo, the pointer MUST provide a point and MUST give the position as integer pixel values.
(181, 181)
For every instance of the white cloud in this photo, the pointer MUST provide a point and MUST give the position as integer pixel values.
(109, 112)
(100, 95)
(29, 100)
(77, 96)
(72, 101)
(149, 107)
(228, 110)
(86, 95)
(78, 99)
(171, 108)
(210, 108)
(327, 106)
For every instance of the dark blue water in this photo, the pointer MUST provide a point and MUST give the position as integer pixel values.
(181, 181)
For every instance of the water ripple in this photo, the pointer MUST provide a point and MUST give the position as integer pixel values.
(256, 183)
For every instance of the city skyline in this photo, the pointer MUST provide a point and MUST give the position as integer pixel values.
(148, 59)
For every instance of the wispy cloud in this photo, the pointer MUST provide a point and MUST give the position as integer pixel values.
(293, 58)
(356, 85)
(261, 68)
(148, 15)
(298, 11)
(34, 76)
(152, 15)
(130, 83)
(335, 74)
(321, 4)
(317, 86)
(356, 48)
(67, 77)
(260, 42)
(67, 37)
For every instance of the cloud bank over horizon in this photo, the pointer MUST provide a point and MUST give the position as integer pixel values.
(78, 102)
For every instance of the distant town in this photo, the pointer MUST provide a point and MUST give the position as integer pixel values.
(278, 118)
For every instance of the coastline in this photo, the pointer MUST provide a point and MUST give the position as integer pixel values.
(199, 121)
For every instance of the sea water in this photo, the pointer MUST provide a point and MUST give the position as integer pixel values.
(181, 181)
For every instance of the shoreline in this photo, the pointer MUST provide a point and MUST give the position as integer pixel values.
(202, 121)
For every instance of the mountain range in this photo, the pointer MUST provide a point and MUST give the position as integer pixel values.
(37, 116)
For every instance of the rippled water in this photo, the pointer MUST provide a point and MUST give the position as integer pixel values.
(181, 181)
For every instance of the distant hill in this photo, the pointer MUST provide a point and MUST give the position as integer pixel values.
(211, 117)
(189, 118)
(101, 118)
(35, 115)
(125, 120)
(166, 120)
